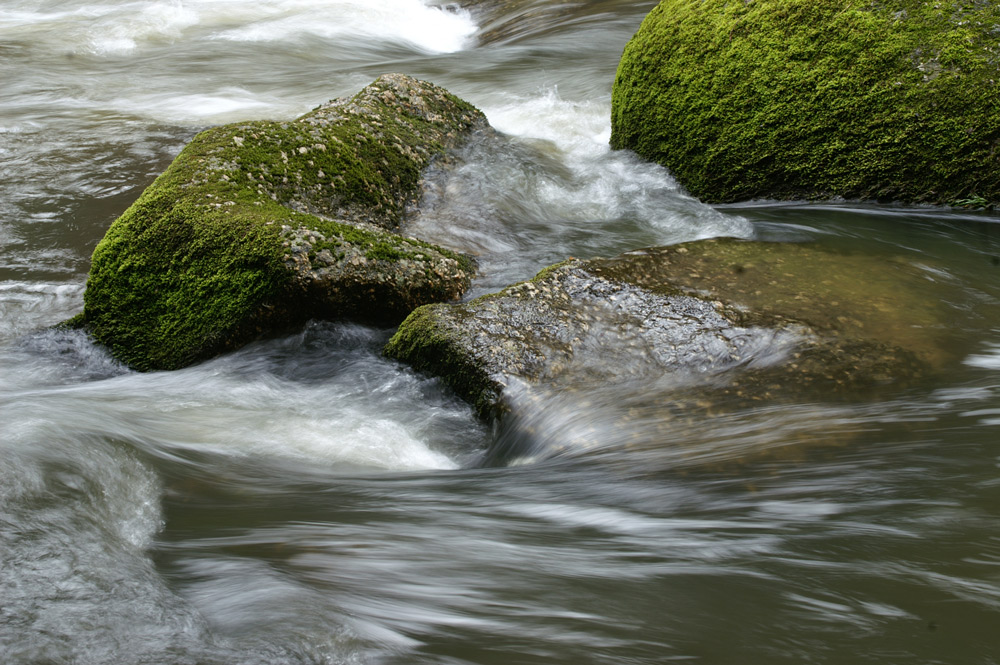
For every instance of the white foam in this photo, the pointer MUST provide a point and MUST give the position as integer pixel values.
(576, 127)
(157, 22)
(221, 409)
(226, 104)
(356, 439)
(26, 306)
(284, 421)
(607, 183)
(410, 22)
(123, 29)
(990, 359)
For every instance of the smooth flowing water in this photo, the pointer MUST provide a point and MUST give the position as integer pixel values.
(306, 501)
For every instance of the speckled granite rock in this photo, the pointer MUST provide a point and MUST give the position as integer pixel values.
(752, 318)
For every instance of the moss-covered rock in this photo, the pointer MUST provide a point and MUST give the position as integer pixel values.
(895, 100)
(750, 320)
(262, 225)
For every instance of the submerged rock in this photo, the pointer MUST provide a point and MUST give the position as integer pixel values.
(895, 101)
(724, 318)
(257, 226)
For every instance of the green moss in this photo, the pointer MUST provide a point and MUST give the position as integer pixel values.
(816, 98)
(381, 246)
(519, 288)
(428, 345)
(385, 251)
(174, 279)
(545, 273)
(77, 322)
(197, 264)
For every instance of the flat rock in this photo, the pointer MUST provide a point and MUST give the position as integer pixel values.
(723, 318)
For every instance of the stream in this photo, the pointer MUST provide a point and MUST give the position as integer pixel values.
(305, 500)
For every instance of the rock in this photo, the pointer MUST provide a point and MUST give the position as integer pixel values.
(258, 226)
(737, 320)
(894, 101)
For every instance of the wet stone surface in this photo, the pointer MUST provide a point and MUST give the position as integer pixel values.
(853, 296)
(341, 277)
(724, 320)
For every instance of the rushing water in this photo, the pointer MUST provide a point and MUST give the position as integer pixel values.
(306, 501)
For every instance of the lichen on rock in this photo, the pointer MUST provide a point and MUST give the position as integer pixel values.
(258, 226)
(785, 99)
(752, 319)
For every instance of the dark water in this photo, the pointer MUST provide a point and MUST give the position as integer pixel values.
(306, 501)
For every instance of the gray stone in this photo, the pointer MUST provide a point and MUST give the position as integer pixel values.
(724, 318)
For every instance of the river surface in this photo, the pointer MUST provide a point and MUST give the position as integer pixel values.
(304, 500)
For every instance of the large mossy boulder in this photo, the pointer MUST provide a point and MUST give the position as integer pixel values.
(894, 101)
(258, 226)
(736, 319)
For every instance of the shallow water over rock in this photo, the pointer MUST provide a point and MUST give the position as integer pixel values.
(890, 299)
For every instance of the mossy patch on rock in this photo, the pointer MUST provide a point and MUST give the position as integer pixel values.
(753, 319)
(262, 225)
(895, 101)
